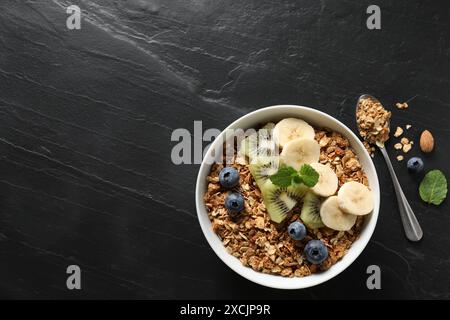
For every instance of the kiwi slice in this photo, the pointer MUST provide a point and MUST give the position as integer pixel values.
(311, 211)
(263, 167)
(266, 131)
(269, 126)
(299, 190)
(249, 146)
(259, 144)
(279, 201)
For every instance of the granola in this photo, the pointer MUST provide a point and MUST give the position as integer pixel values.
(265, 246)
(398, 132)
(401, 106)
(373, 121)
(398, 146)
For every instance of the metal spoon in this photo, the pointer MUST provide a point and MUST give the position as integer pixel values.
(412, 228)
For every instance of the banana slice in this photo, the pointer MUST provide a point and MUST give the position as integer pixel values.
(290, 129)
(355, 198)
(333, 217)
(300, 151)
(328, 180)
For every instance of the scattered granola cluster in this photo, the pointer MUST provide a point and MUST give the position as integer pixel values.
(373, 121)
(403, 105)
(264, 245)
(405, 144)
(398, 132)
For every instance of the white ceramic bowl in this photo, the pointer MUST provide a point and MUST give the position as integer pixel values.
(315, 118)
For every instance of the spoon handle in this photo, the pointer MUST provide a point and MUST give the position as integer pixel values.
(412, 228)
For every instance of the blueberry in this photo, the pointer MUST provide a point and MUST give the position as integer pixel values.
(297, 230)
(234, 202)
(415, 165)
(315, 251)
(229, 177)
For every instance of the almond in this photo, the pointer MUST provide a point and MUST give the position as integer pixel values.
(426, 141)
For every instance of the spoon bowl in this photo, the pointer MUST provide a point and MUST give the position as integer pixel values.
(380, 144)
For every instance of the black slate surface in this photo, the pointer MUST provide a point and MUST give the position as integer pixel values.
(87, 115)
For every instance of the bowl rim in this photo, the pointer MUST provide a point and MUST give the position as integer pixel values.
(297, 282)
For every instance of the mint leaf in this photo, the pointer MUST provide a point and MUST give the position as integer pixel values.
(308, 175)
(297, 179)
(433, 188)
(283, 177)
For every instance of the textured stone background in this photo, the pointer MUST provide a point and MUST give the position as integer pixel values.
(86, 118)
